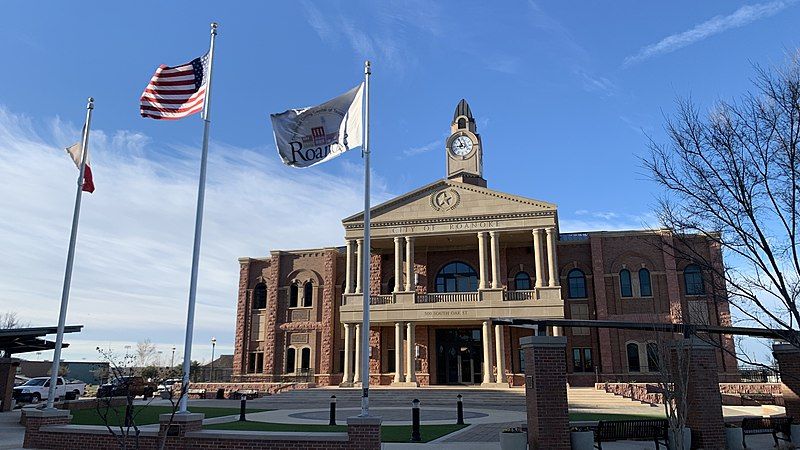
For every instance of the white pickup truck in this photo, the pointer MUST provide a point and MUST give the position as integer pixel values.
(37, 389)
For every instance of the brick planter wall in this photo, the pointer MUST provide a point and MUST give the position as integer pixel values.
(788, 358)
(546, 392)
(50, 430)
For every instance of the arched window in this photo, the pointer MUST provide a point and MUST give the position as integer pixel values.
(462, 123)
(633, 357)
(308, 293)
(290, 360)
(305, 359)
(522, 281)
(693, 279)
(457, 277)
(260, 296)
(293, 295)
(653, 361)
(576, 284)
(645, 289)
(625, 283)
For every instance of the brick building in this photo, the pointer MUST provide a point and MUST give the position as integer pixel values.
(445, 260)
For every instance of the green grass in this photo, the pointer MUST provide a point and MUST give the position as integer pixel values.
(145, 415)
(602, 416)
(389, 433)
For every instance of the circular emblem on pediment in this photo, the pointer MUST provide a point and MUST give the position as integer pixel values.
(445, 200)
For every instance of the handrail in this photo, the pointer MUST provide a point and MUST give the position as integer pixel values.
(448, 297)
(383, 299)
(520, 295)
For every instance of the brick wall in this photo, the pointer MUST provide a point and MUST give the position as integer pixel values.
(546, 392)
(704, 402)
(54, 433)
(788, 359)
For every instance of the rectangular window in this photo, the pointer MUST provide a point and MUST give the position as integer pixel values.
(521, 361)
(390, 363)
(259, 362)
(582, 360)
(579, 311)
(255, 363)
(341, 360)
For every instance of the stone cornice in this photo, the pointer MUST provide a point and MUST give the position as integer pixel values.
(476, 218)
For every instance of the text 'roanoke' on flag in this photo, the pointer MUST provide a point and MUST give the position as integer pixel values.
(308, 136)
(176, 92)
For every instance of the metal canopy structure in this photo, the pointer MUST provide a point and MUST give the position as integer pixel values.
(686, 328)
(24, 340)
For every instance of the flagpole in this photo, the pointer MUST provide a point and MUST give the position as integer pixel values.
(73, 237)
(366, 254)
(198, 229)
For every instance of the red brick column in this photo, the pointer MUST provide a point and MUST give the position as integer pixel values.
(364, 433)
(788, 359)
(546, 392)
(8, 369)
(601, 303)
(271, 357)
(37, 418)
(328, 318)
(241, 338)
(703, 399)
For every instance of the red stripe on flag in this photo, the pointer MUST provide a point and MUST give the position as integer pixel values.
(88, 181)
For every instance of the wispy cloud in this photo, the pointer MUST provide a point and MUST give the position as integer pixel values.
(596, 83)
(587, 220)
(134, 245)
(430, 146)
(716, 25)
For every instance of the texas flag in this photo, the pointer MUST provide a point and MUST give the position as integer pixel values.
(75, 152)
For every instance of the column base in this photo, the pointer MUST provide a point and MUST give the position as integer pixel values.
(495, 385)
(346, 384)
(405, 384)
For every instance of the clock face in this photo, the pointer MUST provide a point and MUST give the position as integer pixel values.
(461, 146)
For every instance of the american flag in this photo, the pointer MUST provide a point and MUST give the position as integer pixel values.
(176, 92)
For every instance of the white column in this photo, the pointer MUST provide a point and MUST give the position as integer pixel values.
(537, 256)
(551, 257)
(348, 354)
(359, 265)
(487, 352)
(348, 284)
(411, 366)
(398, 352)
(495, 250)
(409, 264)
(398, 265)
(483, 272)
(357, 376)
(499, 353)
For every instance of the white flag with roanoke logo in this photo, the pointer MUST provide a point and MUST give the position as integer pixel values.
(308, 136)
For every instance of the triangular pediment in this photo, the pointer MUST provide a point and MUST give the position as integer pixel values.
(451, 199)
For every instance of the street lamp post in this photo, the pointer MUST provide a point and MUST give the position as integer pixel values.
(213, 345)
(172, 360)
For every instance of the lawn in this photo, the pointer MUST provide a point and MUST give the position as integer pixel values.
(145, 415)
(389, 433)
(601, 416)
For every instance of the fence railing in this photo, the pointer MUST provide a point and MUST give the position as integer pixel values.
(520, 295)
(448, 297)
(760, 375)
(301, 376)
(573, 237)
(383, 299)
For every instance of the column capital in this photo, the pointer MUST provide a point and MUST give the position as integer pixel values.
(360, 240)
(409, 238)
(346, 325)
(493, 233)
(550, 230)
(482, 234)
(398, 239)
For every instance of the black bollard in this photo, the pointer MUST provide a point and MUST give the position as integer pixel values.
(242, 409)
(415, 437)
(460, 411)
(332, 421)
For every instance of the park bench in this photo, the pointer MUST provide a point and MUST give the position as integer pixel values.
(639, 430)
(767, 425)
(196, 393)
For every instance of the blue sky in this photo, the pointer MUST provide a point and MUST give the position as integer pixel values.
(563, 93)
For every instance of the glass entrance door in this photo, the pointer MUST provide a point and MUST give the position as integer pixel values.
(459, 355)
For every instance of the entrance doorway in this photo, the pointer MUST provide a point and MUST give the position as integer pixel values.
(459, 356)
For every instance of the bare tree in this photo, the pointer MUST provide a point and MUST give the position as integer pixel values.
(121, 422)
(732, 175)
(10, 320)
(145, 353)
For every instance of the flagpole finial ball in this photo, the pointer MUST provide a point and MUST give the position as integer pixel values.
(214, 26)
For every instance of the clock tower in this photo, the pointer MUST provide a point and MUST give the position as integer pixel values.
(464, 150)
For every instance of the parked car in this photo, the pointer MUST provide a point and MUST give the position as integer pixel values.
(128, 385)
(37, 389)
